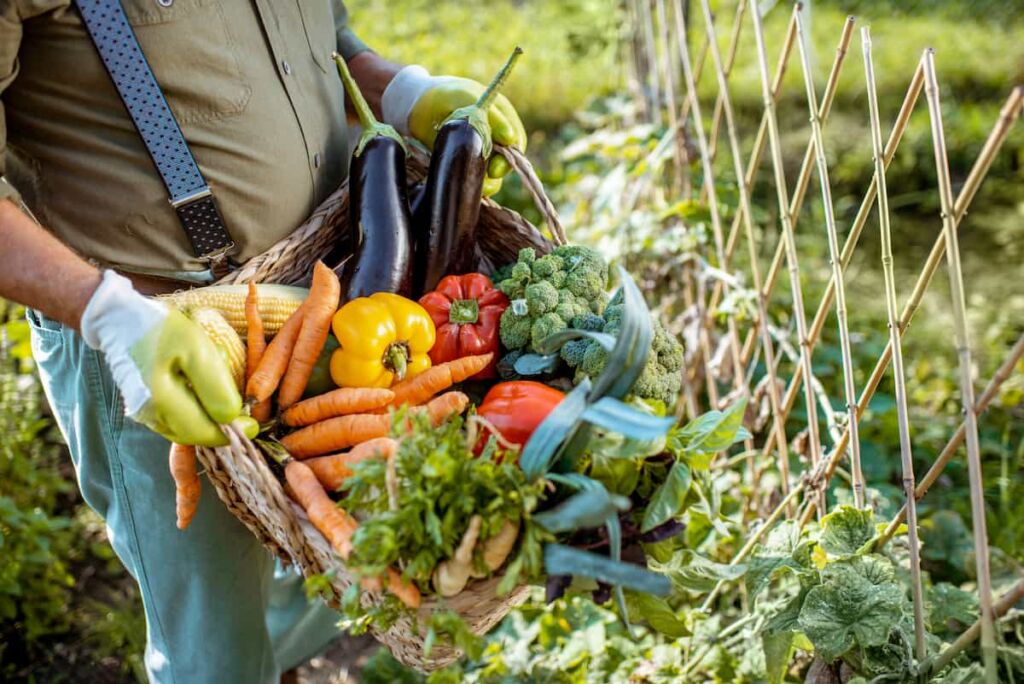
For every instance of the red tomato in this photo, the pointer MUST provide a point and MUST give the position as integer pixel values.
(516, 408)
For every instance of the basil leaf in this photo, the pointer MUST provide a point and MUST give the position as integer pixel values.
(668, 499)
(715, 430)
(542, 447)
(565, 560)
(618, 416)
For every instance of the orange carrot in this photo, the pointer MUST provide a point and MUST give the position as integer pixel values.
(316, 325)
(337, 526)
(422, 387)
(337, 402)
(334, 469)
(256, 345)
(186, 482)
(274, 361)
(345, 431)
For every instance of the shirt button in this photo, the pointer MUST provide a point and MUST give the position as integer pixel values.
(286, 67)
(316, 160)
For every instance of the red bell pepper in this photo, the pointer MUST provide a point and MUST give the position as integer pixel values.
(466, 311)
(516, 408)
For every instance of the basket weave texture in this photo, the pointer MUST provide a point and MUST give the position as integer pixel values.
(250, 490)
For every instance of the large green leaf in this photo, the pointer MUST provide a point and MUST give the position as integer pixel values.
(689, 571)
(542, 447)
(847, 531)
(778, 554)
(668, 499)
(565, 560)
(778, 652)
(947, 602)
(858, 603)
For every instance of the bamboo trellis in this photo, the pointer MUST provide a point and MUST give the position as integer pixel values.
(666, 31)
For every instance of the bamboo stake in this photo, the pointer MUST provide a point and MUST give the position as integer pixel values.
(899, 127)
(716, 219)
(956, 288)
(755, 270)
(759, 141)
(837, 271)
(730, 61)
(1007, 117)
(906, 455)
(652, 60)
(942, 660)
(789, 236)
(1000, 376)
(679, 161)
(698, 69)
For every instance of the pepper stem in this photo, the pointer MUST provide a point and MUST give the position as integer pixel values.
(396, 359)
(464, 311)
(372, 128)
(476, 113)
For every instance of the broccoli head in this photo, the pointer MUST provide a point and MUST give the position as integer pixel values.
(549, 292)
(661, 377)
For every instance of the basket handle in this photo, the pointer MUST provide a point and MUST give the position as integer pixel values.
(521, 165)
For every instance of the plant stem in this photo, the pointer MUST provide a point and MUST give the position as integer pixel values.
(372, 128)
(488, 96)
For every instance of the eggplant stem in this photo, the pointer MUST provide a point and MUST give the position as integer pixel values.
(476, 113)
(491, 92)
(372, 128)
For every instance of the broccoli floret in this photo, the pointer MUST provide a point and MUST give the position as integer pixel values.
(546, 325)
(557, 279)
(572, 351)
(514, 330)
(570, 306)
(546, 266)
(527, 255)
(594, 359)
(541, 298)
(588, 321)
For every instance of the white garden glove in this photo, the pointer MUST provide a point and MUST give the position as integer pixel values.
(416, 104)
(170, 374)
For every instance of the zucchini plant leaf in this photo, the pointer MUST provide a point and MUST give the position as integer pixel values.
(858, 603)
(848, 531)
(632, 346)
(659, 615)
(541, 449)
(668, 499)
(565, 560)
(553, 342)
(618, 416)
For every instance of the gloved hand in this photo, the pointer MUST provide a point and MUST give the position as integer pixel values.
(171, 376)
(416, 104)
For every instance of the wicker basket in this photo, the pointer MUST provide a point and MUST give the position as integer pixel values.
(244, 481)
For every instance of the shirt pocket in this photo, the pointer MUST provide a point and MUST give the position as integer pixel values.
(318, 22)
(193, 55)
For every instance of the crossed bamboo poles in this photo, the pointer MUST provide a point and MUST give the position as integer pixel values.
(814, 481)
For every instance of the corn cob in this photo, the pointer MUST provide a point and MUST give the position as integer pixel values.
(227, 340)
(276, 303)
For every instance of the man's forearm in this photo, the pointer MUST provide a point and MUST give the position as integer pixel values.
(39, 271)
(373, 73)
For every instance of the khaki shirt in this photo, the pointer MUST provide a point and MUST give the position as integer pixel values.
(252, 84)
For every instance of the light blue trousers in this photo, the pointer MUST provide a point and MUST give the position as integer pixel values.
(218, 609)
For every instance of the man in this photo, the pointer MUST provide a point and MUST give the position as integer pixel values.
(252, 84)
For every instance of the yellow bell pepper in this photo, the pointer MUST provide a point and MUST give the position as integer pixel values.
(384, 339)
